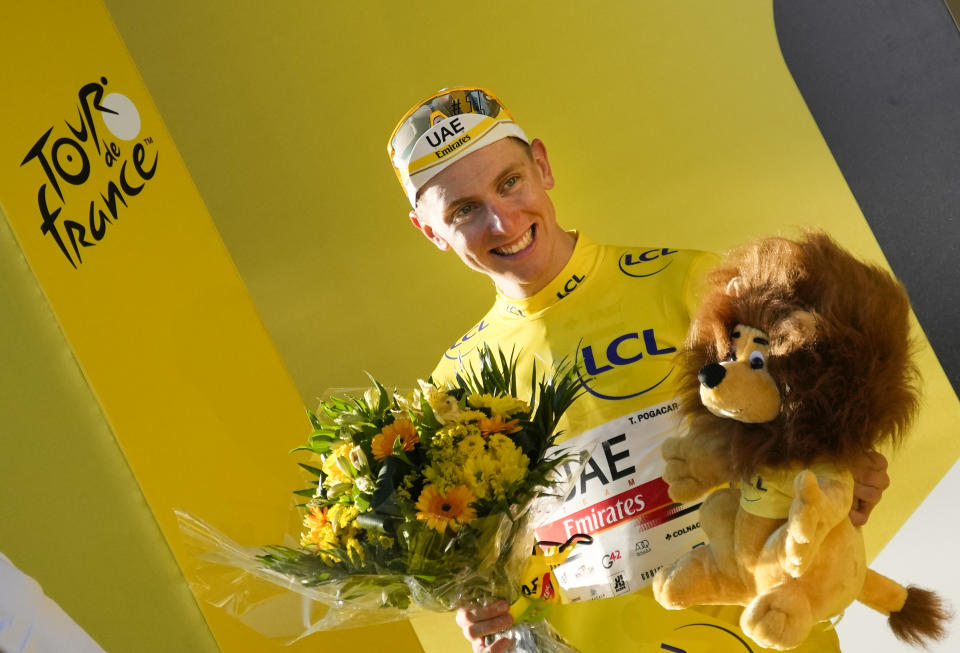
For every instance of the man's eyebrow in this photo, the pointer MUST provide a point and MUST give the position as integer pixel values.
(507, 171)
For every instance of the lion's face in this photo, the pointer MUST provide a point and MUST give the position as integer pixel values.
(799, 352)
(742, 388)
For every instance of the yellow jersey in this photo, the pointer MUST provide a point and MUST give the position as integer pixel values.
(622, 312)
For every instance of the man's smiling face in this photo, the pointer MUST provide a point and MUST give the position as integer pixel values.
(491, 208)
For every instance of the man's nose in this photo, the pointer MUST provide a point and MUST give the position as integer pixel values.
(502, 217)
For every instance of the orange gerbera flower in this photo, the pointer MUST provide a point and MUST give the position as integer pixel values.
(452, 509)
(319, 534)
(402, 428)
(497, 424)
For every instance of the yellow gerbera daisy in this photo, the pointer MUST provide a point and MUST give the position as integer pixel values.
(505, 406)
(497, 424)
(440, 510)
(402, 428)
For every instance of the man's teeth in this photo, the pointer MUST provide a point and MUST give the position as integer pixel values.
(517, 246)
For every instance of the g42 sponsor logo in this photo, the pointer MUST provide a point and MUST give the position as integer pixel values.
(610, 558)
(466, 343)
(625, 349)
(74, 209)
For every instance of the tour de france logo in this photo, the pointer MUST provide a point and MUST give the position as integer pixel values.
(89, 169)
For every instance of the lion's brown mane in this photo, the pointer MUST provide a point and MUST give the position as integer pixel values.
(846, 390)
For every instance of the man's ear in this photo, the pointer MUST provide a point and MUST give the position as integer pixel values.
(428, 231)
(539, 153)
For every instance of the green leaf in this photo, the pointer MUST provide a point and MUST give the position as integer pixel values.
(309, 492)
(313, 470)
(313, 420)
(320, 446)
(361, 502)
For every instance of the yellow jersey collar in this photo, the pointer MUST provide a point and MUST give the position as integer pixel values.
(578, 269)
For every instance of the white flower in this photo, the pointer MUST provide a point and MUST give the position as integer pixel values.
(444, 407)
(408, 403)
(358, 459)
(365, 484)
(372, 397)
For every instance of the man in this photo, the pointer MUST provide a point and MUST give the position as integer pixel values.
(479, 186)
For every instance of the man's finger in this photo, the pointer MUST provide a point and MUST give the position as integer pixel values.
(486, 627)
(499, 646)
(869, 494)
(489, 611)
(860, 513)
(875, 460)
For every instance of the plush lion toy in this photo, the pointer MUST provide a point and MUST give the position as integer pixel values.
(796, 363)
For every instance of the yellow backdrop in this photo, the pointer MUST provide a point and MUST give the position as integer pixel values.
(665, 122)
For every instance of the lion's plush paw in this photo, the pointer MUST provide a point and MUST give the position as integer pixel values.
(805, 525)
(667, 588)
(779, 620)
(684, 483)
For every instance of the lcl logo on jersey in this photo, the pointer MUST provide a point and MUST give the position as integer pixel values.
(571, 284)
(457, 350)
(646, 264)
(625, 349)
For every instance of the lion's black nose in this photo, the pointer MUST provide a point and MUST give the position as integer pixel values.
(711, 375)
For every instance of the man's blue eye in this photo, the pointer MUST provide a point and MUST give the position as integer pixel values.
(509, 183)
(463, 211)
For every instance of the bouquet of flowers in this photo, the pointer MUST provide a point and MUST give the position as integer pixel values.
(423, 501)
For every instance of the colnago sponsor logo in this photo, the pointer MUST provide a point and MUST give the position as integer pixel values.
(602, 361)
(466, 343)
(682, 531)
(646, 263)
(89, 167)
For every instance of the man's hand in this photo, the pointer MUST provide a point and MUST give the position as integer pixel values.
(870, 480)
(476, 623)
